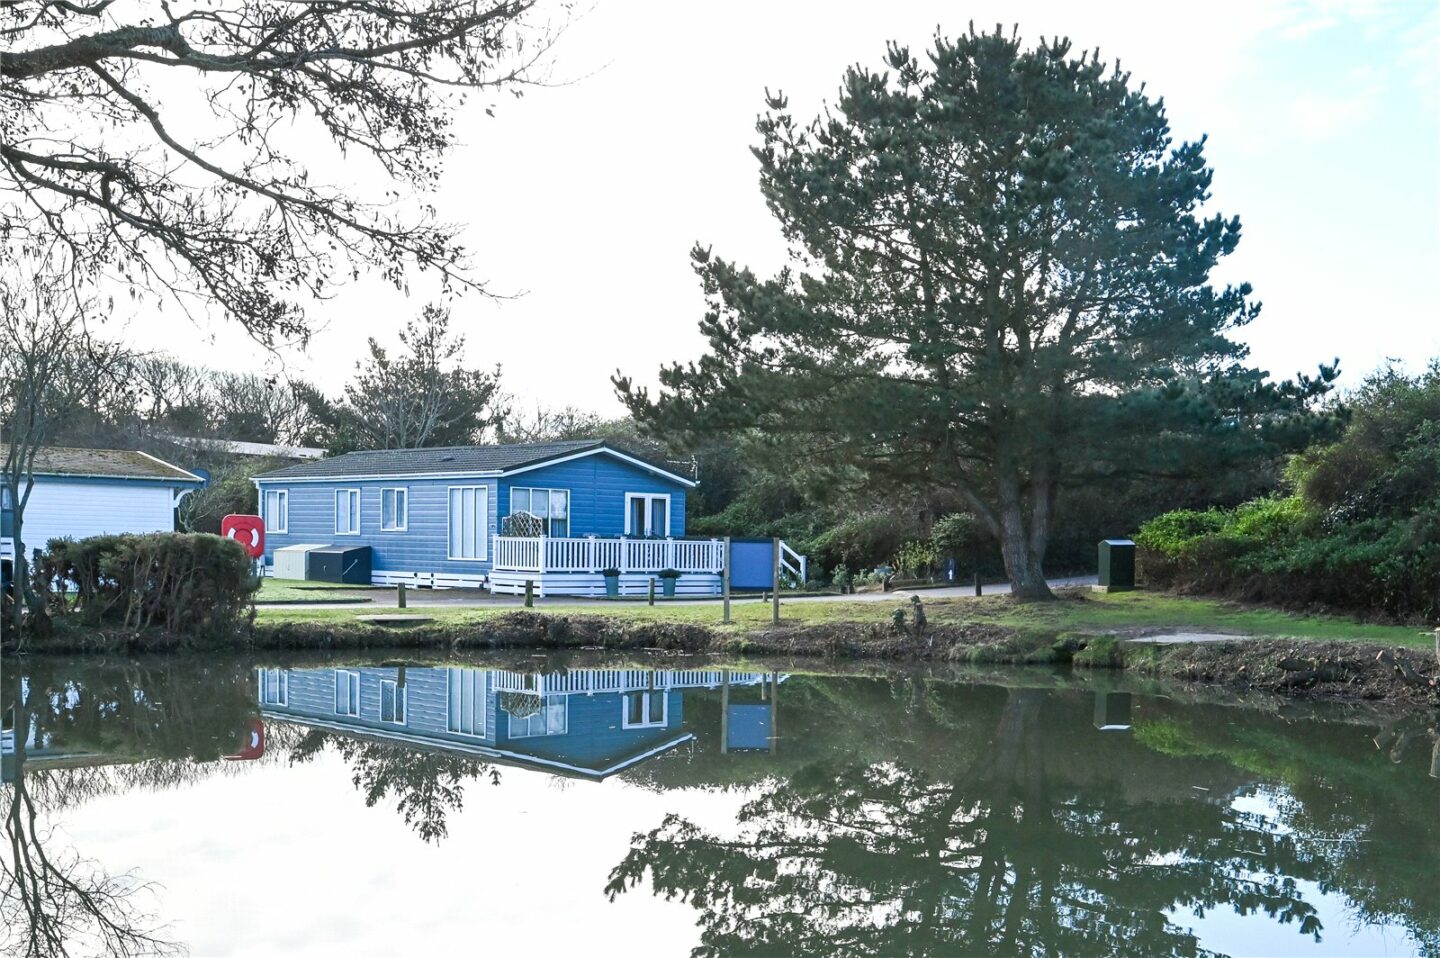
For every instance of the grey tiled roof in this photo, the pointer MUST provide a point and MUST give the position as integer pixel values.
(104, 463)
(443, 459)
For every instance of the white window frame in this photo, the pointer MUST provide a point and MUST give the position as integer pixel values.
(548, 493)
(283, 686)
(482, 534)
(354, 515)
(399, 699)
(649, 497)
(401, 497)
(348, 675)
(544, 710)
(479, 720)
(647, 720)
(282, 498)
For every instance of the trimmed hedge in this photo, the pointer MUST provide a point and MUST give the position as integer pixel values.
(192, 584)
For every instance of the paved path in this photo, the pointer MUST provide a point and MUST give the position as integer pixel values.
(472, 598)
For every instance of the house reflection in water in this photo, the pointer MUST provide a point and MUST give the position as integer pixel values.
(590, 723)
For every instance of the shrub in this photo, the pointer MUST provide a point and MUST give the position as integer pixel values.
(914, 557)
(191, 584)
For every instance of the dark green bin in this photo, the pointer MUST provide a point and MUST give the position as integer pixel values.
(1117, 565)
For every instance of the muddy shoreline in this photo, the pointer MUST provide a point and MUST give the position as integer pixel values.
(1295, 668)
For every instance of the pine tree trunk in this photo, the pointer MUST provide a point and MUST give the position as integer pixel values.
(1024, 533)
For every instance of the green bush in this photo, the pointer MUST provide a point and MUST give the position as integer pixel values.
(191, 584)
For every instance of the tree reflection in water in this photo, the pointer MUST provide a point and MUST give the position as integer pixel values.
(1004, 854)
(57, 902)
(426, 785)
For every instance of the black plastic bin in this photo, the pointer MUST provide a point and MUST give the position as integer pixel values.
(347, 564)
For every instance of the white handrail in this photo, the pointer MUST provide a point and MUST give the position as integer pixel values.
(594, 554)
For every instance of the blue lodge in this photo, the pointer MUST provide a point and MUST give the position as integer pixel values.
(585, 723)
(557, 514)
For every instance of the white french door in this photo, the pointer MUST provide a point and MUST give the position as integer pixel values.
(647, 514)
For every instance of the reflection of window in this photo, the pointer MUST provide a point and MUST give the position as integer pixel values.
(551, 505)
(347, 693)
(465, 702)
(549, 720)
(644, 709)
(392, 702)
(468, 506)
(347, 512)
(277, 510)
(394, 509)
(274, 687)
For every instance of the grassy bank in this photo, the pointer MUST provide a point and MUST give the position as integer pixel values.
(1265, 650)
(1078, 611)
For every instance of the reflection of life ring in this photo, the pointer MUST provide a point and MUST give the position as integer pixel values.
(254, 746)
(249, 531)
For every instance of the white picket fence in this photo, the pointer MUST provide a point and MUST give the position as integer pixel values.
(594, 554)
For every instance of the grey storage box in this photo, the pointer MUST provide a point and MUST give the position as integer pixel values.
(348, 564)
(290, 561)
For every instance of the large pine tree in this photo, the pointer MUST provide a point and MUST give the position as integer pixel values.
(1000, 284)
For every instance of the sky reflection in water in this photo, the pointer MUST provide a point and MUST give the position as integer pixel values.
(385, 810)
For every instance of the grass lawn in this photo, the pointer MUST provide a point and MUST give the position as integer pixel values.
(1078, 611)
(298, 590)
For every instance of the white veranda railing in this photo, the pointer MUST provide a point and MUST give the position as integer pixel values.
(594, 554)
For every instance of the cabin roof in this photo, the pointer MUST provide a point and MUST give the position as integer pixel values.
(493, 459)
(106, 464)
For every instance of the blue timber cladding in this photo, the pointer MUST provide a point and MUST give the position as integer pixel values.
(597, 483)
(594, 736)
(312, 693)
(423, 546)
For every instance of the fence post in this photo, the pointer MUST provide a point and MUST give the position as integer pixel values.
(775, 580)
(400, 596)
(725, 581)
(652, 590)
(529, 593)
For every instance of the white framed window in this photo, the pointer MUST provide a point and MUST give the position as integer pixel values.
(647, 514)
(276, 510)
(552, 719)
(551, 505)
(394, 509)
(347, 692)
(469, 518)
(347, 512)
(644, 709)
(392, 701)
(465, 701)
(274, 686)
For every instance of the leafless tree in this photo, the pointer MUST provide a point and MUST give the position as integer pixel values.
(210, 194)
(49, 364)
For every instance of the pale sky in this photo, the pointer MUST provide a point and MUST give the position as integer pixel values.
(1324, 132)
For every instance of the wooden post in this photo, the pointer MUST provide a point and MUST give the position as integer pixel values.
(725, 580)
(400, 595)
(977, 582)
(724, 711)
(775, 580)
(774, 712)
(652, 590)
(529, 593)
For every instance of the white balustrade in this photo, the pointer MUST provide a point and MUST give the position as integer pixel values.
(616, 680)
(592, 554)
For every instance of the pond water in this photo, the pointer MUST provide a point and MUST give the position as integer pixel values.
(545, 807)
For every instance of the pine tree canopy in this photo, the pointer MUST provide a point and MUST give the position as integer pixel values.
(999, 283)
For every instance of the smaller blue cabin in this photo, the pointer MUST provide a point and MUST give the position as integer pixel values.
(557, 514)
